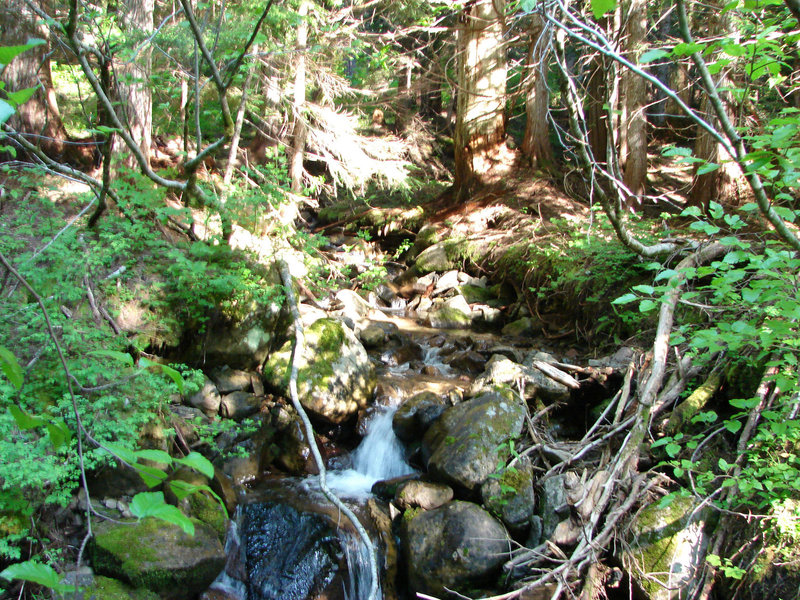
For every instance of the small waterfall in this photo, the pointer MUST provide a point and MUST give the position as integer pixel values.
(379, 456)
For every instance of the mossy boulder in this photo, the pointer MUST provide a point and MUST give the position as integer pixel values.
(461, 447)
(335, 376)
(666, 549)
(453, 313)
(106, 588)
(456, 546)
(509, 496)
(158, 556)
(413, 418)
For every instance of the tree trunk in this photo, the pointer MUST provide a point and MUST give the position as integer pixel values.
(133, 78)
(39, 117)
(300, 127)
(536, 141)
(480, 114)
(635, 98)
(596, 109)
(726, 184)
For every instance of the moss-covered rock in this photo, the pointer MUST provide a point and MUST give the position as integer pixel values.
(509, 496)
(106, 588)
(415, 415)
(335, 376)
(158, 556)
(460, 448)
(667, 548)
(456, 546)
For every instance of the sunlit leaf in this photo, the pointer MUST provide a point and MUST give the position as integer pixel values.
(152, 504)
(36, 573)
(198, 462)
(24, 419)
(10, 367)
(602, 7)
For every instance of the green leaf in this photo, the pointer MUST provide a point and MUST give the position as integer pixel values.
(672, 449)
(707, 168)
(150, 475)
(168, 371)
(152, 504)
(9, 53)
(21, 96)
(684, 48)
(183, 489)
(36, 573)
(625, 299)
(198, 462)
(24, 419)
(122, 357)
(652, 55)
(647, 305)
(644, 289)
(59, 433)
(10, 366)
(601, 7)
(661, 442)
(733, 425)
(158, 456)
(6, 111)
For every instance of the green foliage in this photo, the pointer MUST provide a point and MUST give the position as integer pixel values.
(38, 573)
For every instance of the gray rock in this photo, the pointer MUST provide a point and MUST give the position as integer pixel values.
(455, 546)
(159, 556)
(475, 294)
(460, 448)
(413, 418)
(552, 504)
(434, 258)
(667, 549)
(244, 343)
(510, 496)
(422, 494)
(520, 327)
(354, 305)
(447, 281)
(372, 336)
(336, 377)
(467, 279)
(230, 380)
(239, 405)
(207, 399)
(467, 361)
(422, 284)
(453, 313)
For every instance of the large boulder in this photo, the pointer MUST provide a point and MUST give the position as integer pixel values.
(461, 447)
(158, 556)
(415, 415)
(291, 555)
(666, 549)
(455, 546)
(335, 376)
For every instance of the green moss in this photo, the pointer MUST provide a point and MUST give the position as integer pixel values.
(106, 588)
(206, 509)
(410, 513)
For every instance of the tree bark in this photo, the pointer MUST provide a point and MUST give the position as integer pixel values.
(635, 98)
(726, 184)
(480, 114)
(300, 128)
(133, 79)
(39, 117)
(536, 140)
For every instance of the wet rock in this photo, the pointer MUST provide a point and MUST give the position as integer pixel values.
(158, 556)
(431, 371)
(222, 486)
(372, 336)
(453, 313)
(382, 522)
(294, 454)
(245, 466)
(230, 380)
(520, 327)
(667, 549)
(239, 405)
(460, 448)
(510, 497)
(336, 377)
(468, 361)
(413, 418)
(387, 488)
(290, 555)
(207, 398)
(405, 353)
(455, 546)
(422, 494)
(386, 294)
